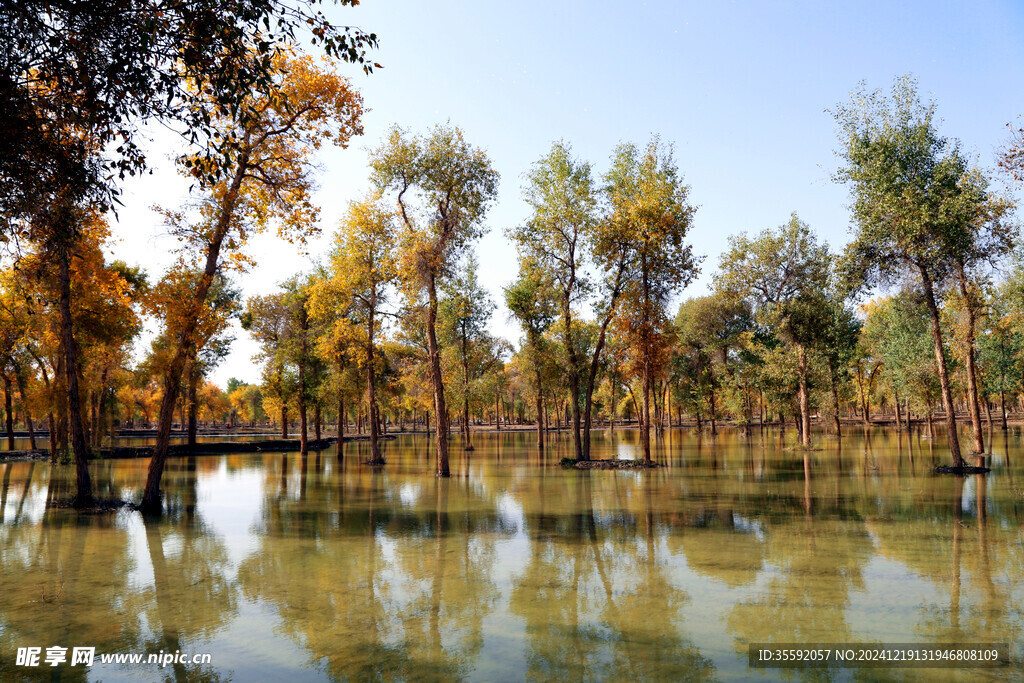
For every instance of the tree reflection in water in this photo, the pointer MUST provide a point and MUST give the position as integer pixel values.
(364, 605)
(515, 567)
(76, 579)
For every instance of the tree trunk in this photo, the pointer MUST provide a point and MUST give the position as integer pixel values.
(760, 408)
(573, 372)
(940, 361)
(437, 381)
(284, 420)
(9, 408)
(863, 396)
(595, 363)
(645, 426)
(31, 430)
(712, 416)
(467, 442)
(803, 398)
(371, 385)
(896, 404)
(52, 426)
(193, 381)
(151, 502)
(835, 403)
(972, 370)
(540, 411)
(341, 417)
(667, 404)
(83, 497)
(1002, 406)
(371, 398)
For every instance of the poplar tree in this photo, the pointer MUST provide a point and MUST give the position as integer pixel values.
(273, 136)
(443, 187)
(650, 213)
(555, 239)
(919, 210)
(464, 313)
(363, 277)
(784, 274)
(532, 302)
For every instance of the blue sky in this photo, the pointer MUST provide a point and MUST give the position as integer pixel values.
(740, 88)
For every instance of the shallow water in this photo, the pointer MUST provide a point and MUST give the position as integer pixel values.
(22, 443)
(289, 568)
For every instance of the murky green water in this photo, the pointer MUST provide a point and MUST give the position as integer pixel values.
(289, 568)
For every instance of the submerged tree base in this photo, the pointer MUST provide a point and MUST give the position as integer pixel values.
(37, 454)
(97, 505)
(961, 469)
(375, 463)
(606, 464)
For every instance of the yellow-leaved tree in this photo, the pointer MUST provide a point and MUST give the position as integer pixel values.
(363, 276)
(443, 187)
(274, 136)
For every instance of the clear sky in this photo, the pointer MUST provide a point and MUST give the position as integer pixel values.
(740, 88)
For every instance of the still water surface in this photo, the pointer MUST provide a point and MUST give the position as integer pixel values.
(290, 568)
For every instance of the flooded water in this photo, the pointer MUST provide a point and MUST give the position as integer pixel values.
(22, 443)
(289, 568)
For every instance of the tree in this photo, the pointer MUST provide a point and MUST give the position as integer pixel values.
(94, 303)
(783, 274)
(464, 314)
(364, 274)
(649, 213)
(918, 208)
(168, 302)
(837, 345)
(80, 79)
(269, 320)
(896, 333)
(1011, 158)
(269, 178)
(1001, 346)
(246, 401)
(531, 300)
(554, 240)
(297, 350)
(982, 235)
(443, 187)
(104, 68)
(707, 328)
